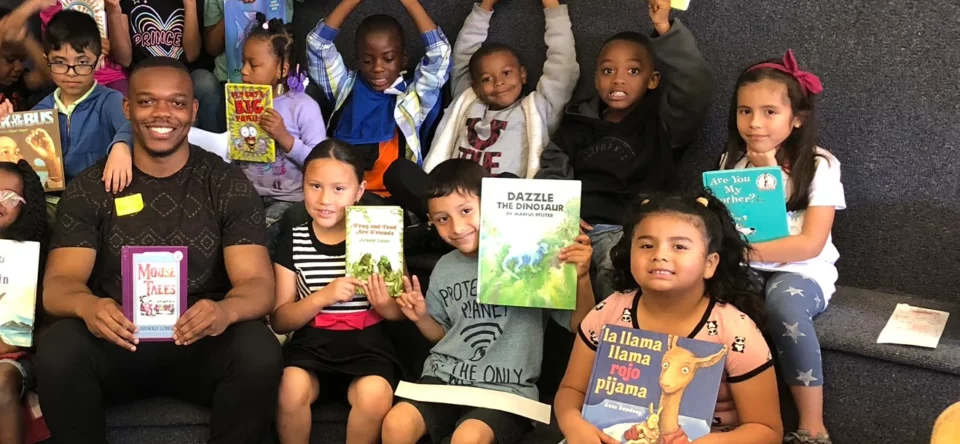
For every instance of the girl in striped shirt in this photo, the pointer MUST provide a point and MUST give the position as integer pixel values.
(339, 341)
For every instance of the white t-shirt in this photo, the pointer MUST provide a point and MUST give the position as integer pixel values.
(826, 190)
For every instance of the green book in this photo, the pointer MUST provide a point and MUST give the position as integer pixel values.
(524, 223)
(375, 245)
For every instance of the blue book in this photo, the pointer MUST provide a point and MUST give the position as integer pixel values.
(757, 199)
(238, 18)
(646, 386)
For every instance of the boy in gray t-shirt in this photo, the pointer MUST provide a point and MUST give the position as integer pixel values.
(509, 356)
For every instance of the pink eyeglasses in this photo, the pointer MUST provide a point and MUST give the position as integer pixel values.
(10, 199)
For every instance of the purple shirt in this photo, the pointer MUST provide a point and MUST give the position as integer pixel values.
(283, 179)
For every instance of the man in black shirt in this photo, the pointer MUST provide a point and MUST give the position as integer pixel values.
(223, 354)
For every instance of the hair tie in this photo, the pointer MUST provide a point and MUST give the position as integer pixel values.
(703, 201)
(298, 81)
(266, 26)
(645, 201)
(808, 81)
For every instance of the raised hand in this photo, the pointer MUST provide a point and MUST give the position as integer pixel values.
(106, 321)
(489, 4)
(580, 254)
(6, 108)
(660, 15)
(411, 302)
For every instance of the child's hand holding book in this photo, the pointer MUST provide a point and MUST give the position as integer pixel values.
(342, 289)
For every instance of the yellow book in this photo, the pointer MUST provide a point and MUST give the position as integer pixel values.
(248, 141)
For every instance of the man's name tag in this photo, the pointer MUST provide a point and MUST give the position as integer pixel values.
(129, 205)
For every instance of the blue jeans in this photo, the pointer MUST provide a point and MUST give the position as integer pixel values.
(792, 301)
(212, 115)
(603, 237)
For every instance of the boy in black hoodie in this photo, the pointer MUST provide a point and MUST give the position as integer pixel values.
(628, 138)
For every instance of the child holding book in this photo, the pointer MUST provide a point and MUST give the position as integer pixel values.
(294, 122)
(340, 343)
(627, 138)
(377, 109)
(454, 202)
(23, 217)
(491, 122)
(680, 270)
(90, 114)
(773, 123)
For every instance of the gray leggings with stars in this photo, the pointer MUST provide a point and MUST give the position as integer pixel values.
(792, 301)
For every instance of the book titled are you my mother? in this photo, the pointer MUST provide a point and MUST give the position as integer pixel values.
(154, 289)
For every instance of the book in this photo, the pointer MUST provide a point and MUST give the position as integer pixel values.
(154, 289)
(19, 268)
(756, 198)
(248, 141)
(238, 20)
(524, 223)
(375, 245)
(93, 8)
(34, 136)
(909, 325)
(646, 386)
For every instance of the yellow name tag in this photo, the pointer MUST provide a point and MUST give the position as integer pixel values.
(681, 5)
(129, 205)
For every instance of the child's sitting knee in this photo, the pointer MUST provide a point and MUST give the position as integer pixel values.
(372, 396)
(472, 431)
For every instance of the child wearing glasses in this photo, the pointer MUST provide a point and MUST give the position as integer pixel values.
(90, 114)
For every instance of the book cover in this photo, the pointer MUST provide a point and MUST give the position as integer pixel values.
(375, 245)
(154, 289)
(648, 386)
(94, 8)
(245, 104)
(19, 268)
(524, 223)
(756, 198)
(34, 136)
(238, 18)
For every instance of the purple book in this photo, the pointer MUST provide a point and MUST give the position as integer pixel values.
(154, 289)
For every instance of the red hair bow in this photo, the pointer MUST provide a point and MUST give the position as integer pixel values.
(808, 81)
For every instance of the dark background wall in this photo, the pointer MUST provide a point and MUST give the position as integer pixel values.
(890, 110)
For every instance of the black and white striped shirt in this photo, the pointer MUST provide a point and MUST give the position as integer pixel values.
(316, 264)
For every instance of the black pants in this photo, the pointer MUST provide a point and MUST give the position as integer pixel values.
(237, 373)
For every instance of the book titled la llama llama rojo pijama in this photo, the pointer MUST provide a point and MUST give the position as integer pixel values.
(646, 386)
(524, 223)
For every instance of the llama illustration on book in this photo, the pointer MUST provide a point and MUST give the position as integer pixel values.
(631, 401)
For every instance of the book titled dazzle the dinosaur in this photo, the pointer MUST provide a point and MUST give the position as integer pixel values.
(154, 289)
(646, 386)
(756, 197)
(375, 245)
(19, 265)
(93, 8)
(238, 19)
(248, 141)
(524, 223)
(34, 136)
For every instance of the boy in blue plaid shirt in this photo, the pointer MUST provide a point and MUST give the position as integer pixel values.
(376, 109)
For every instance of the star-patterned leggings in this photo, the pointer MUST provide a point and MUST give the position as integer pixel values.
(792, 301)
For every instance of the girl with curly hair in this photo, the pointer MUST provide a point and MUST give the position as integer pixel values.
(23, 217)
(681, 268)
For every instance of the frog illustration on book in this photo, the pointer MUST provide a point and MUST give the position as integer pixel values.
(393, 278)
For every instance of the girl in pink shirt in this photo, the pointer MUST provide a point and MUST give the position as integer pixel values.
(110, 74)
(687, 260)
